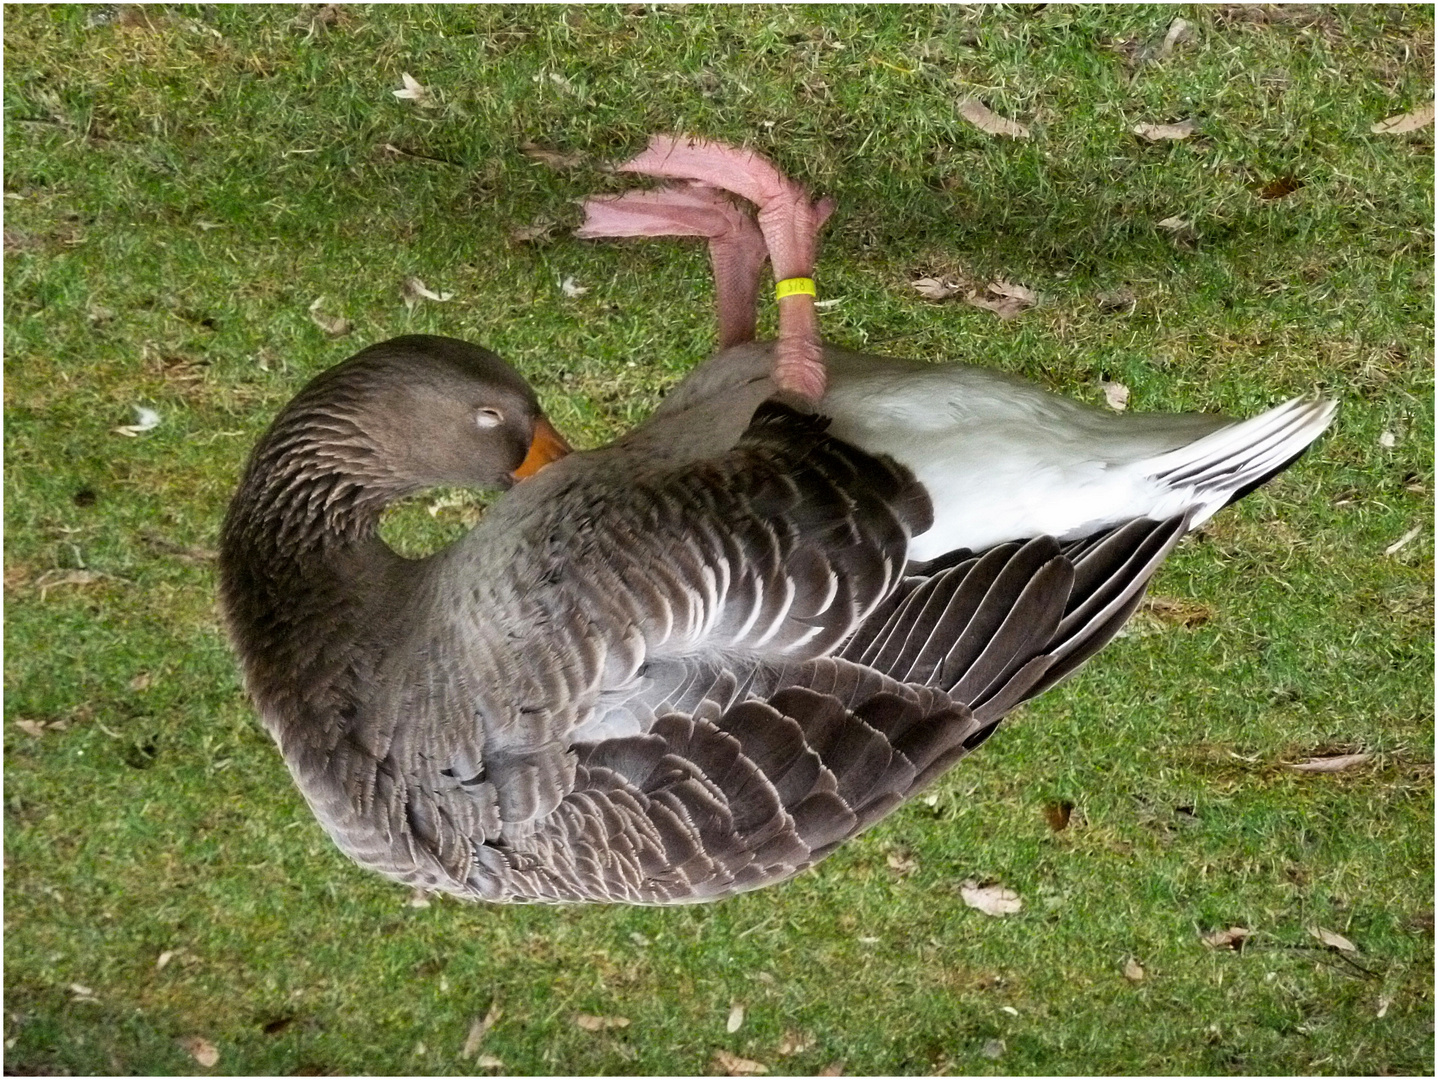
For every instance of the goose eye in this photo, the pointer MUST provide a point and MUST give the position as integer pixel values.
(488, 418)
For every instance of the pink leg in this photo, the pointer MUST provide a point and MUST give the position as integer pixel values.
(736, 247)
(790, 225)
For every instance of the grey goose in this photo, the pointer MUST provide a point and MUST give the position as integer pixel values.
(687, 664)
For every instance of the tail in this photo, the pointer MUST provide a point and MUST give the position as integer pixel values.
(1221, 468)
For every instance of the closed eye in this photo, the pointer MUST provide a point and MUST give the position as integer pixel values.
(488, 418)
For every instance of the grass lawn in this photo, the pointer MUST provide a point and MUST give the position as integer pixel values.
(182, 185)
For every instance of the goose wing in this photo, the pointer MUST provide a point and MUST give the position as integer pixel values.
(704, 773)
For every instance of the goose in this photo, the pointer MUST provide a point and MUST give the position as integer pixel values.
(682, 666)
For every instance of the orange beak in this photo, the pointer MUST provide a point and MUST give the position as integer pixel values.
(546, 447)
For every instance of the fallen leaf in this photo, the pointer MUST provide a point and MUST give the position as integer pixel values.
(1179, 32)
(81, 991)
(1232, 938)
(936, 288)
(1333, 764)
(902, 862)
(733, 1065)
(489, 1061)
(1175, 224)
(994, 1049)
(413, 91)
(479, 1029)
(1383, 1003)
(418, 899)
(600, 1023)
(523, 234)
(992, 900)
(736, 1018)
(202, 1050)
(141, 682)
(1165, 132)
(990, 123)
(1115, 395)
(33, 728)
(1278, 189)
(1332, 940)
(1388, 440)
(145, 420)
(572, 289)
(1057, 814)
(795, 1042)
(334, 327)
(1403, 123)
(1403, 541)
(834, 1068)
(163, 960)
(1133, 970)
(555, 159)
(413, 291)
(1003, 298)
(1118, 301)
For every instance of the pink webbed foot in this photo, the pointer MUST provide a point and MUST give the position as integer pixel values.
(736, 247)
(790, 225)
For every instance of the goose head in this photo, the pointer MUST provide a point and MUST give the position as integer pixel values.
(306, 584)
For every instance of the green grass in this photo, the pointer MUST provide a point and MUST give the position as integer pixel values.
(178, 193)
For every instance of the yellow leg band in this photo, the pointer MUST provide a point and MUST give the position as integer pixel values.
(794, 286)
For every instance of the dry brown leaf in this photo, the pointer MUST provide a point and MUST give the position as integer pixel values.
(736, 1018)
(414, 290)
(488, 1061)
(1165, 132)
(1058, 814)
(33, 728)
(1120, 301)
(1179, 32)
(1175, 224)
(479, 1029)
(1232, 938)
(1336, 763)
(1115, 395)
(413, 91)
(202, 1050)
(1133, 970)
(795, 1042)
(589, 1022)
(79, 990)
(1003, 298)
(931, 288)
(331, 325)
(1332, 940)
(540, 230)
(992, 900)
(734, 1065)
(1383, 1003)
(834, 1068)
(990, 123)
(555, 159)
(1403, 541)
(902, 862)
(1403, 123)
